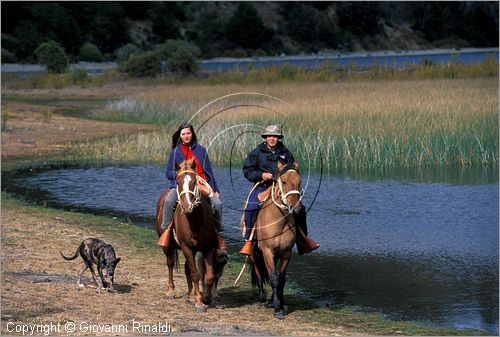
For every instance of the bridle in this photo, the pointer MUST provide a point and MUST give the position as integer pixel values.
(285, 205)
(196, 194)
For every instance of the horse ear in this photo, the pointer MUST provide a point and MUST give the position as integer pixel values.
(280, 165)
(295, 166)
(177, 167)
(193, 165)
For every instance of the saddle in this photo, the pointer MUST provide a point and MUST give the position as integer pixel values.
(262, 197)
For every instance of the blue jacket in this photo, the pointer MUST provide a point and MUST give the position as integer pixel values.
(177, 156)
(261, 160)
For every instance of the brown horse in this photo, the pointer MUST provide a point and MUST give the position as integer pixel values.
(194, 228)
(275, 230)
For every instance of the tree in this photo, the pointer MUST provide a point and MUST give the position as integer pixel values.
(246, 29)
(29, 38)
(166, 17)
(181, 56)
(209, 30)
(184, 59)
(143, 64)
(109, 28)
(360, 18)
(52, 55)
(302, 22)
(90, 52)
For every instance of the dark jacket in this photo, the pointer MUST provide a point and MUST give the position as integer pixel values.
(262, 159)
(177, 156)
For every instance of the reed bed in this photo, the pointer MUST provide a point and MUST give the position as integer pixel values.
(351, 125)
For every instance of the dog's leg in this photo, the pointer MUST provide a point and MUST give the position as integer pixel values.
(214, 288)
(112, 284)
(96, 279)
(99, 270)
(81, 274)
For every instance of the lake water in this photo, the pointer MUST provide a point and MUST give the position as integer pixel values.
(418, 247)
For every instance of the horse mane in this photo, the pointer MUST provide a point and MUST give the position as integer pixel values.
(186, 165)
(293, 166)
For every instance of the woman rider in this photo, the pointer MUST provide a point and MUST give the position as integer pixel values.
(185, 147)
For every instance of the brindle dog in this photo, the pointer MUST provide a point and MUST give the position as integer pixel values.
(95, 251)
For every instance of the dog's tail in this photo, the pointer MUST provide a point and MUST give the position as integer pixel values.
(72, 257)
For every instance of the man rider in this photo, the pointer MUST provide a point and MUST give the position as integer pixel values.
(262, 165)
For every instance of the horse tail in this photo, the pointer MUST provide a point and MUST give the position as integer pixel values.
(71, 257)
(260, 265)
(176, 259)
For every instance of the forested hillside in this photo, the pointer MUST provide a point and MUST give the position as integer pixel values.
(246, 28)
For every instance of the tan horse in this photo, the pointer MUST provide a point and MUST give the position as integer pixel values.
(195, 232)
(275, 230)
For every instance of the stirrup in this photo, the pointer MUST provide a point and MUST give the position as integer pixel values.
(247, 248)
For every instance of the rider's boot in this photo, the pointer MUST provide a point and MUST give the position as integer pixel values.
(304, 243)
(247, 248)
(250, 217)
(165, 237)
(168, 214)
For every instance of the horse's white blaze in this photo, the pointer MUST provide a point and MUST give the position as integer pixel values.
(185, 188)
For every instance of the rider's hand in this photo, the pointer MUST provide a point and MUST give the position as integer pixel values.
(267, 176)
(217, 195)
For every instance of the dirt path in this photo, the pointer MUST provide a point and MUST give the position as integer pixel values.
(33, 131)
(38, 286)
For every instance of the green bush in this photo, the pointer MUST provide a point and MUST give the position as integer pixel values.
(79, 76)
(90, 52)
(52, 55)
(184, 60)
(143, 64)
(8, 57)
(181, 56)
(123, 53)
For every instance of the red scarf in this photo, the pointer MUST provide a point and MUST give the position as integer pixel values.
(189, 154)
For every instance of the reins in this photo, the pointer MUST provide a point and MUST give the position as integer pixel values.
(283, 206)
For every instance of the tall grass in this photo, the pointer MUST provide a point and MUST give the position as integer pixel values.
(360, 125)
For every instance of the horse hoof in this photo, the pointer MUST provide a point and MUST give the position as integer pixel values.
(200, 308)
(279, 315)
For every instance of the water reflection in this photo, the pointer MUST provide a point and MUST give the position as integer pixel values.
(419, 247)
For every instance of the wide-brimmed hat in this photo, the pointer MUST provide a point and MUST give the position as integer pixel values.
(272, 130)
